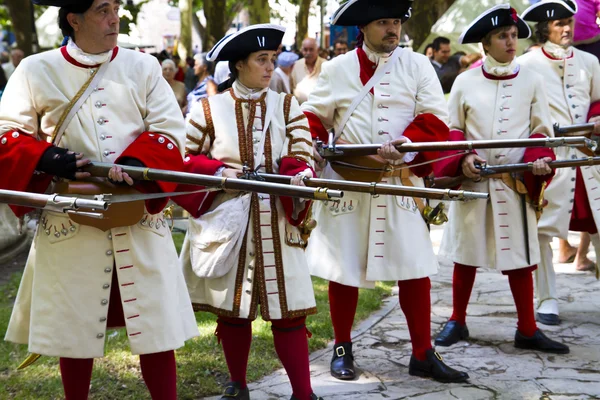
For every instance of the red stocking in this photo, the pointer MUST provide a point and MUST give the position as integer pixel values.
(462, 286)
(521, 286)
(235, 335)
(76, 374)
(160, 374)
(342, 303)
(415, 301)
(291, 345)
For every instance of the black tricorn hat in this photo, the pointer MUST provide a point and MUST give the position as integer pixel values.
(363, 12)
(240, 44)
(77, 6)
(496, 17)
(550, 10)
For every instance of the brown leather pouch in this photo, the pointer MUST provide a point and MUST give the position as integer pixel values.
(118, 214)
(363, 169)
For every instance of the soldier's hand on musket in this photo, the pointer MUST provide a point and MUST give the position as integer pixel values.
(468, 166)
(388, 150)
(63, 163)
(540, 167)
(320, 162)
(116, 175)
(298, 179)
(231, 173)
(596, 121)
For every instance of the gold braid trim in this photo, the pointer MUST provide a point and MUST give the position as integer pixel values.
(301, 154)
(290, 129)
(298, 118)
(301, 140)
(71, 104)
(210, 127)
(287, 105)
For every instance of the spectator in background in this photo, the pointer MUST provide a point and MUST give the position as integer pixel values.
(428, 51)
(191, 79)
(307, 70)
(340, 47)
(586, 36)
(16, 55)
(206, 83)
(168, 70)
(280, 82)
(180, 74)
(447, 68)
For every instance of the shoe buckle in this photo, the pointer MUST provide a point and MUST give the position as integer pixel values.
(438, 356)
(340, 351)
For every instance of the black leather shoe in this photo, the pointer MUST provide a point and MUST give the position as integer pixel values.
(312, 397)
(453, 332)
(233, 391)
(540, 342)
(547, 319)
(342, 363)
(434, 367)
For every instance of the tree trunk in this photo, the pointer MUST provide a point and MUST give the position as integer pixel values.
(201, 31)
(259, 11)
(424, 15)
(21, 16)
(302, 22)
(214, 11)
(185, 36)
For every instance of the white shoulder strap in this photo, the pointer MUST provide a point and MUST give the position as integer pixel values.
(79, 102)
(361, 95)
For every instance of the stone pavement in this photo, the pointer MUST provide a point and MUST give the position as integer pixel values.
(497, 370)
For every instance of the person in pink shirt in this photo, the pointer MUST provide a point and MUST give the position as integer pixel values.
(587, 32)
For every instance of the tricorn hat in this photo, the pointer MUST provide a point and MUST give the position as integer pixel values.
(363, 12)
(78, 6)
(496, 17)
(550, 10)
(240, 44)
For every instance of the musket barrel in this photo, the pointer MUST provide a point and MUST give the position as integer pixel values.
(151, 174)
(382, 189)
(353, 150)
(50, 201)
(561, 130)
(522, 167)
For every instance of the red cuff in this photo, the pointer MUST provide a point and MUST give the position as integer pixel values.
(534, 182)
(317, 130)
(19, 156)
(155, 151)
(594, 110)
(290, 166)
(426, 128)
(198, 203)
(451, 166)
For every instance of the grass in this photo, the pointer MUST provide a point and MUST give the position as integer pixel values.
(201, 366)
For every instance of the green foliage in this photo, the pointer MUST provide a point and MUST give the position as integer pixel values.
(134, 10)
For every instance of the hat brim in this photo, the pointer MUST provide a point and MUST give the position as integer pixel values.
(491, 19)
(549, 10)
(239, 45)
(363, 12)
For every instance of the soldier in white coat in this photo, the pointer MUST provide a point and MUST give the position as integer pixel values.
(80, 280)
(509, 102)
(364, 239)
(572, 80)
(245, 250)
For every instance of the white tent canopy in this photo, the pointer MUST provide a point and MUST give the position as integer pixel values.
(461, 14)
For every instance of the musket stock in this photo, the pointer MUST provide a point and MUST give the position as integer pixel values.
(150, 174)
(382, 189)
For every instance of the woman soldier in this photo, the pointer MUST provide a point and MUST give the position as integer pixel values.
(244, 250)
(509, 103)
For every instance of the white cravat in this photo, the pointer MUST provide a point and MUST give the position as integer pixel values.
(244, 92)
(557, 51)
(373, 55)
(495, 68)
(85, 58)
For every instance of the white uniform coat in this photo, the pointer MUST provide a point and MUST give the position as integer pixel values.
(271, 267)
(62, 304)
(572, 84)
(366, 239)
(490, 233)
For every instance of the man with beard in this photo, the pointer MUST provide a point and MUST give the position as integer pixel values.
(398, 99)
(572, 81)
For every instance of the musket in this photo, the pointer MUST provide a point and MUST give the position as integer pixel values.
(150, 174)
(487, 170)
(54, 202)
(381, 189)
(336, 151)
(567, 129)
